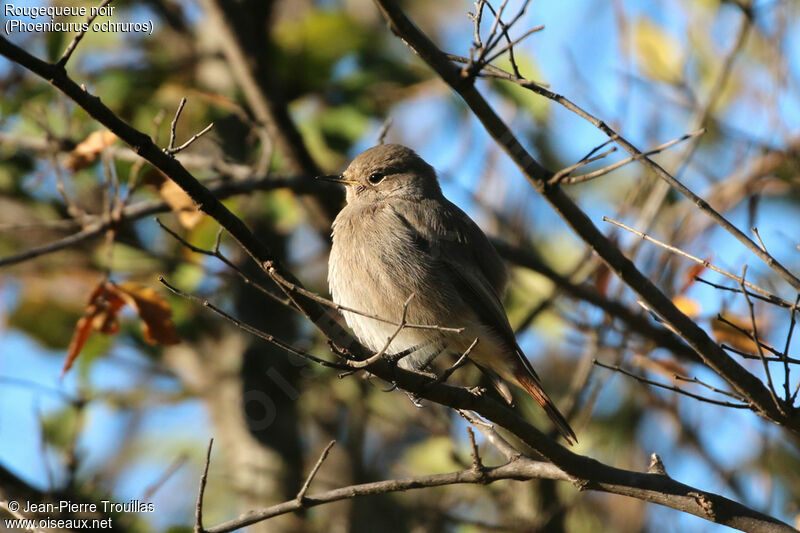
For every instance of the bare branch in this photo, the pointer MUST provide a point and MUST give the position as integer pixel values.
(194, 137)
(562, 174)
(772, 299)
(198, 510)
(751, 308)
(174, 124)
(250, 329)
(62, 62)
(292, 287)
(370, 360)
(172, 149)
(610, 168)
(98, 226)
(461, 361)
(384, 131)
(514, 43)
(477, 464)
(707, 264)
(733, 395)
(219, 255)
(673, 388)
(301, 494)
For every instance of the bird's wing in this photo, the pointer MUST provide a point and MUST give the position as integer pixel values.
(454, 244)
(466, 258)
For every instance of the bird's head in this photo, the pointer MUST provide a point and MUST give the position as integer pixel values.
(387, 170)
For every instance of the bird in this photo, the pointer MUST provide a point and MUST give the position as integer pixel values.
(399, 246)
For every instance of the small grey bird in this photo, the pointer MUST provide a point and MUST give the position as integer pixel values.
(397, 236)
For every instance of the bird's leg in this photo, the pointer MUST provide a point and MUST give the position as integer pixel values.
(394, 359)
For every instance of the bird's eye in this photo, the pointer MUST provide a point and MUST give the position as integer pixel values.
(375, 178)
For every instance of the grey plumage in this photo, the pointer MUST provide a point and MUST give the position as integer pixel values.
(399, 235)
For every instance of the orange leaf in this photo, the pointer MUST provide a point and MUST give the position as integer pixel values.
(154, 311)
(87, 150)
(101, 315)
(692, 273)
(180, 202)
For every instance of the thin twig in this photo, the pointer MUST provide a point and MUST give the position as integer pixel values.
(673, 388)
(163, 478)
(73, 209)
(250, 329)
(792, 321)
(174, 124)
(564, 172)
(444, 376)
(697, 260)
(772, 299)
(368, 361)
(194, 137)
(751, 308)
(702, 383)
(749, 335)
(509, 452)
(384, 131)
(62, 62)
(746, 355)
(513, 43)
(758, 236)
(293, 287)
(477, 464)
(219, 255)
(301, 494)
(622, 162)
(198, 510)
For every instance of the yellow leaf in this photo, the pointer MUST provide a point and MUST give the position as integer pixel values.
(688, 306)
(188, 214)
(658, 54)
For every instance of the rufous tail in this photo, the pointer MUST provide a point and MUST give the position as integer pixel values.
(531, 384)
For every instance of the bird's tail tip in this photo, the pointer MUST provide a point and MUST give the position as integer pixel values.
(534, 388)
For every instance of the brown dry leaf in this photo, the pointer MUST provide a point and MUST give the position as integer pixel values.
(602, 277)
(89, 149)
(727, 334)
(100, 315)
(688, 306)
(154, 311)
(188, 214)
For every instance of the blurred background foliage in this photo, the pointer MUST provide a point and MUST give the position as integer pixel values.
(132, 420)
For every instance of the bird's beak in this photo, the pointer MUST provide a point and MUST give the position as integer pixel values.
(336, 178)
